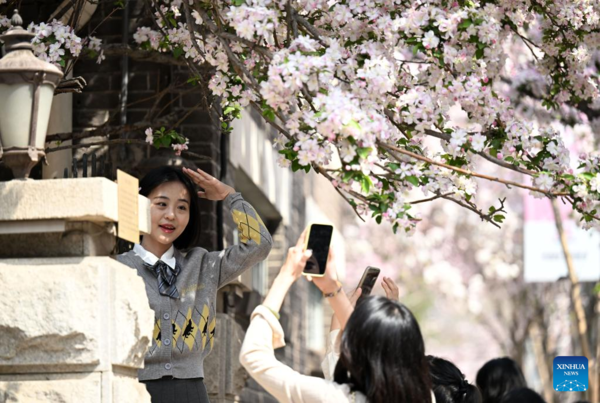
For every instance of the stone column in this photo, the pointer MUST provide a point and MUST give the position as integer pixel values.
(228, 377)
(74, 323)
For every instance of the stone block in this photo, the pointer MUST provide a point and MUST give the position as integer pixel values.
(71, 314)
(133, 320)
(77, 239)
(96, 387)
(80, 388)
(128, 389)
(80, 199)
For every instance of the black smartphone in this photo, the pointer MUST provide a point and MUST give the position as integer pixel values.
(318, 240)
(367, 282)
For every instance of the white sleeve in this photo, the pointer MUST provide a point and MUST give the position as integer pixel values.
(285, 384)
(332, 355)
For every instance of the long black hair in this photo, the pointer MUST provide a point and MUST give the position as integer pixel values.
(497, 377)
(382, 354)
(158, 176)
(449, 384)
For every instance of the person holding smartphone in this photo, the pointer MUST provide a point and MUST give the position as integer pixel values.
(332, 354)
(379, 336)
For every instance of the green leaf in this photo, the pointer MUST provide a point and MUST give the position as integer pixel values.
(237, 3)
(354, 124)
(413, 180)
(229, 109)
(365, 183)
(364, 152)
(269, 114)
(498, 218)
(386, 185)
(465, 24)
(177, 52)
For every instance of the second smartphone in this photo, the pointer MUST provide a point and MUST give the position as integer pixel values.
(367, 282)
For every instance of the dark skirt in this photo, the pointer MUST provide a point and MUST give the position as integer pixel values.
(171, 390)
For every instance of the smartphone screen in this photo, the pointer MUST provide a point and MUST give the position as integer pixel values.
(368, 279)
(319, 239)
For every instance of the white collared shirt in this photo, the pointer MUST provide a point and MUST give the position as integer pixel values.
(168, 257)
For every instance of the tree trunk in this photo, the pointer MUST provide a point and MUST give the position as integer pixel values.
(540, 358)
(575, 294)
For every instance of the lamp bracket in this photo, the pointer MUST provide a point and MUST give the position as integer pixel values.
(33, 153)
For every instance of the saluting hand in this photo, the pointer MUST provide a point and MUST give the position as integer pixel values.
(213, 188)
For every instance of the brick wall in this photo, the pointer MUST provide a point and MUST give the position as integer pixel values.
(154, 91)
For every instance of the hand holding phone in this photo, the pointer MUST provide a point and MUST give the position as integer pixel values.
(318, 240)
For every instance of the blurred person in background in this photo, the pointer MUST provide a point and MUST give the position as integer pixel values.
(522, 395)
(449, 383)
(497, 377)
(382, 357)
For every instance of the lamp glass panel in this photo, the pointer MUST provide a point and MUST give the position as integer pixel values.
(46, 97)
(15, 114)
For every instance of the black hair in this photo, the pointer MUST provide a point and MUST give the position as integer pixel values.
(158, 176)
(497, 377)
(449, 384)
(382, 354)
(522, 395)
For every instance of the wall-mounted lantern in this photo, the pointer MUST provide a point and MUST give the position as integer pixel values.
(26, 90)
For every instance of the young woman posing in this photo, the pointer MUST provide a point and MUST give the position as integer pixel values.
(382, 356)
(182, 287)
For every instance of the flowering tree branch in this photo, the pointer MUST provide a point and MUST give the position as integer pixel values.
(368, 92)
(471, 173)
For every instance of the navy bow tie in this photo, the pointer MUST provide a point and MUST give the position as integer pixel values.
(166, 278)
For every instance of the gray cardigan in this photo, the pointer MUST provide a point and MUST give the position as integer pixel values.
(184, 328)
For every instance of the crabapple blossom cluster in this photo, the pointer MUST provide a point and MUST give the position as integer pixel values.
(56, 42)
(163, 138)
(370, 90)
